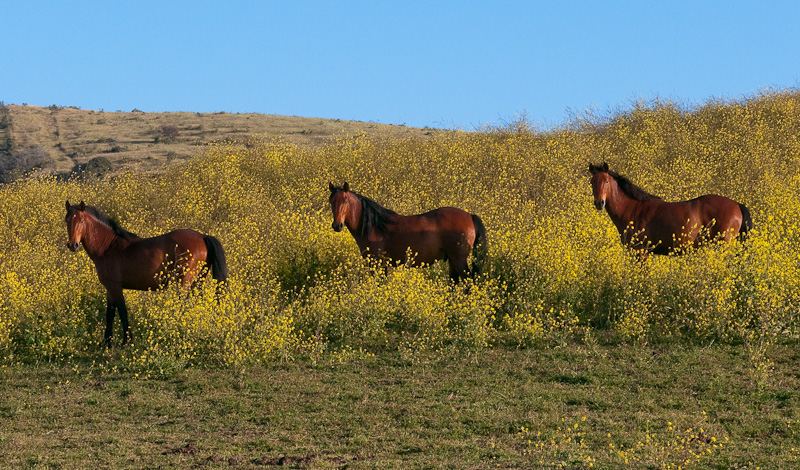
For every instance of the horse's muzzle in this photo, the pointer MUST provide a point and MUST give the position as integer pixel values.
(74, 246)
(600, 204)
(337, 226)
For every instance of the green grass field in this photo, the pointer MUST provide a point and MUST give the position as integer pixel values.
(576, 406)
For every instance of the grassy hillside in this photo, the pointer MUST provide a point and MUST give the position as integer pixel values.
(138, 141)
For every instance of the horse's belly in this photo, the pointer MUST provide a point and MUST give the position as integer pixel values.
(414, 254)
(418, 249)
(153, 271)
(664, 238)
(168, 258)
(149, 279)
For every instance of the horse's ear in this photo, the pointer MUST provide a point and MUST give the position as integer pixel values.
(593, 169)
(605, 166)
(346, 186)
(68, 206)
(83, 206)
(331, 186)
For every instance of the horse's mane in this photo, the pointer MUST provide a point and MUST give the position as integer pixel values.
(111, 222)
(631, 189)
(374, 215)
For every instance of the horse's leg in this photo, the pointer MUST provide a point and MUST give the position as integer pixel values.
(116, 300)
(459, 268)
(110, 306)
(123, 316)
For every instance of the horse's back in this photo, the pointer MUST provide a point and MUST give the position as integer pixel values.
(181, 240)
(144, 261)
(686, 219)
(187, 237)
(447, 222)
(440, 233)
(449, 217)
(715, 200)
(725, 212)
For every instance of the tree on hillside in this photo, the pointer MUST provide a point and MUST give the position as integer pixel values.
(5, 137)
(4, 119)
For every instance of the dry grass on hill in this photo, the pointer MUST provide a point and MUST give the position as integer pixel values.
(142, 142)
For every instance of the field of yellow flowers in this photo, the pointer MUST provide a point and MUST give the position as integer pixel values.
(555, 270)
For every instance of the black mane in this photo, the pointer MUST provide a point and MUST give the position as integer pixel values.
(105, 218)
(373, 215)
(631, 189)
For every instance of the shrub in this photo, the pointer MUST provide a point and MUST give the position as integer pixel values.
(167, 134)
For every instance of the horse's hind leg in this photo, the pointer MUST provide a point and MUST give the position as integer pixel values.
(116, 301)
(123, 316)
(459, 268)
(110, 306)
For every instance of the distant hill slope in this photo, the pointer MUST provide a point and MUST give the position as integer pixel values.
(62, 139)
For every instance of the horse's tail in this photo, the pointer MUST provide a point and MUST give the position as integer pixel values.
(481, 246)
(216, 258)
(747, 223)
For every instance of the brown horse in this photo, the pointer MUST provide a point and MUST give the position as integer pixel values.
(648, 224)
(125, 261)
(445, 233)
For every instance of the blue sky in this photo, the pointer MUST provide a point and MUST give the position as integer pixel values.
(451, 64)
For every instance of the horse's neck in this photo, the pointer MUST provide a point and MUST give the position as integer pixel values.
(98, 239)
(355, 224)
(353, 221)
(621, 208)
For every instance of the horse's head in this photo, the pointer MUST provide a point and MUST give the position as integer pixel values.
(601, 184)
(341, 201)
(76, 225)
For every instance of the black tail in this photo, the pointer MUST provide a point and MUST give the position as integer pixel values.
(747, 222)
(216, 258)
(481, 246)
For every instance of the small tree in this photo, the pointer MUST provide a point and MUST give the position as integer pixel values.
(4, 119)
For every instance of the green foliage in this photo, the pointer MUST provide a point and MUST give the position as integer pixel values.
(555, 271)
